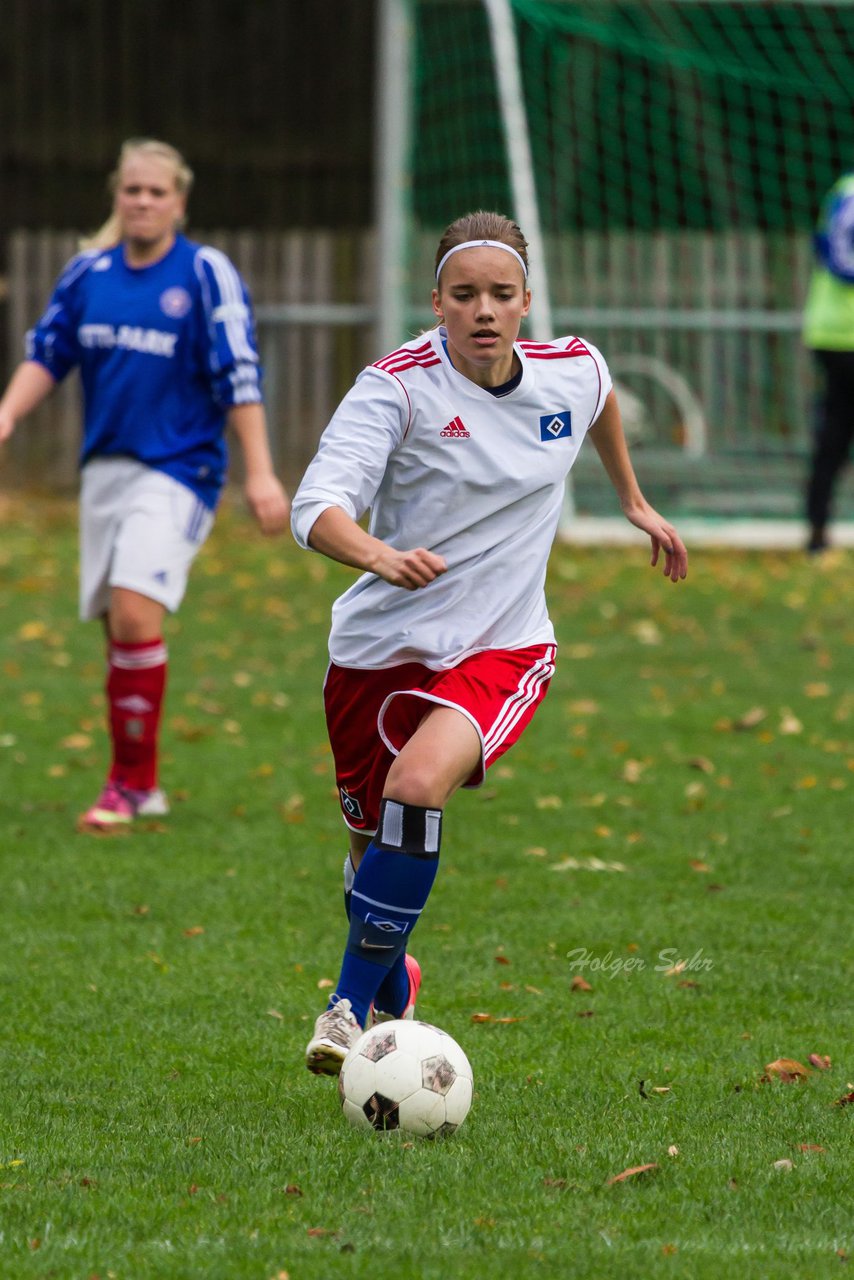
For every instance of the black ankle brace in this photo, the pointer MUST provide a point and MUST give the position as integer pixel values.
(408, 828)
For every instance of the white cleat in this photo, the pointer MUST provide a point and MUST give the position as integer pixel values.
(335, 1031)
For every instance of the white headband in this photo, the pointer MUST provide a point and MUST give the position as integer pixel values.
(483, 244)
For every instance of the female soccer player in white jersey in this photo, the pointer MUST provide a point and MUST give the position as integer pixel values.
(459, 443)
(162, 331)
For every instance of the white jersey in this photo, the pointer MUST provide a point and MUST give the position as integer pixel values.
(475, 478)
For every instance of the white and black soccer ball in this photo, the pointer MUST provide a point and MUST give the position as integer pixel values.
(406, 1075)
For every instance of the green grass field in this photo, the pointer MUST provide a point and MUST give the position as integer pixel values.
(674, 829)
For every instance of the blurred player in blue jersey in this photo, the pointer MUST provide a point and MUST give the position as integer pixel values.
(459, 443)
(829, 332)
(162, 332)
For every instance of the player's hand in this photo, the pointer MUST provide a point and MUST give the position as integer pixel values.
(269, 503)
(409, 569)
(664, 538)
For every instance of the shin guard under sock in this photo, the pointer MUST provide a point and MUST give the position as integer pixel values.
(136, 683)
(390, 890)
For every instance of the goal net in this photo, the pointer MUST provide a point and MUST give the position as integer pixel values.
(681, 150)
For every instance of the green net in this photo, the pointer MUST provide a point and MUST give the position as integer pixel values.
(645, 114)
(681, 151)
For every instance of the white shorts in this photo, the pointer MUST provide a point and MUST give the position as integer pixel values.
(139, 529)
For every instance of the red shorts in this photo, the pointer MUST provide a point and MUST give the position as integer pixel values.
(371, 715)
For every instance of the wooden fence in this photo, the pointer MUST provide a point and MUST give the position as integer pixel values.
(718, 314)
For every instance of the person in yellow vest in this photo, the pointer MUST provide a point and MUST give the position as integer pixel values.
(829, 332)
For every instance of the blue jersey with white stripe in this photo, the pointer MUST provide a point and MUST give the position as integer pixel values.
(164, 351)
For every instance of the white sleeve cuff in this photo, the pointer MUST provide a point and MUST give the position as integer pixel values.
(306, 513)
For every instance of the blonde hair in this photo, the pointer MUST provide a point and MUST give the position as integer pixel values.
(109, 235)
(482, 225)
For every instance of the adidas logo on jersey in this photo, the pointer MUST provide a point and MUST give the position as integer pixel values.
(455, 430)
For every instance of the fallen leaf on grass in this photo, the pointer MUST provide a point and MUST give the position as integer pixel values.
(750, 719)
(32, 631)
(810, 1146)
(579, 984)
(845, 1101)
(321, 1231)
(632, 770)
(583, 707)
(194, 931)
(586, 864)
(787, 1070)
(631, 1173)
(785, 1166)
(821, 1061)
(489, 1017)
(158, 828)
(293, 1190)
(554, 1182)
(673, 1151)
(274, 1013)
(703, 763)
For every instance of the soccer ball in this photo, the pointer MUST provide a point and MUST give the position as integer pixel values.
(406, 1075)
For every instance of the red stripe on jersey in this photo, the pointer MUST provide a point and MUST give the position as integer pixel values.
(545, 351)
(402, 365)
(408, 358)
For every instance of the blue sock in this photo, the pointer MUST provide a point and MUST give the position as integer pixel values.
(393, 992)
(392, 885)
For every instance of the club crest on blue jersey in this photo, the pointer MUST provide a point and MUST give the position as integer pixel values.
(175, 302)
(556, 426)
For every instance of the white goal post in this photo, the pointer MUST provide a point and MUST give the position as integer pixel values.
(394, 128)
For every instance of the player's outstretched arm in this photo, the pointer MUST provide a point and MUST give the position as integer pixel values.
(29, 385)
(610, 442)
(268, 501)
(337, 535)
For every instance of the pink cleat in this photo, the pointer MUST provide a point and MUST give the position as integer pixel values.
(413, 972)
(117, 806)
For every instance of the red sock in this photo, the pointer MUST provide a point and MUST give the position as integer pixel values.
(136, 682)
